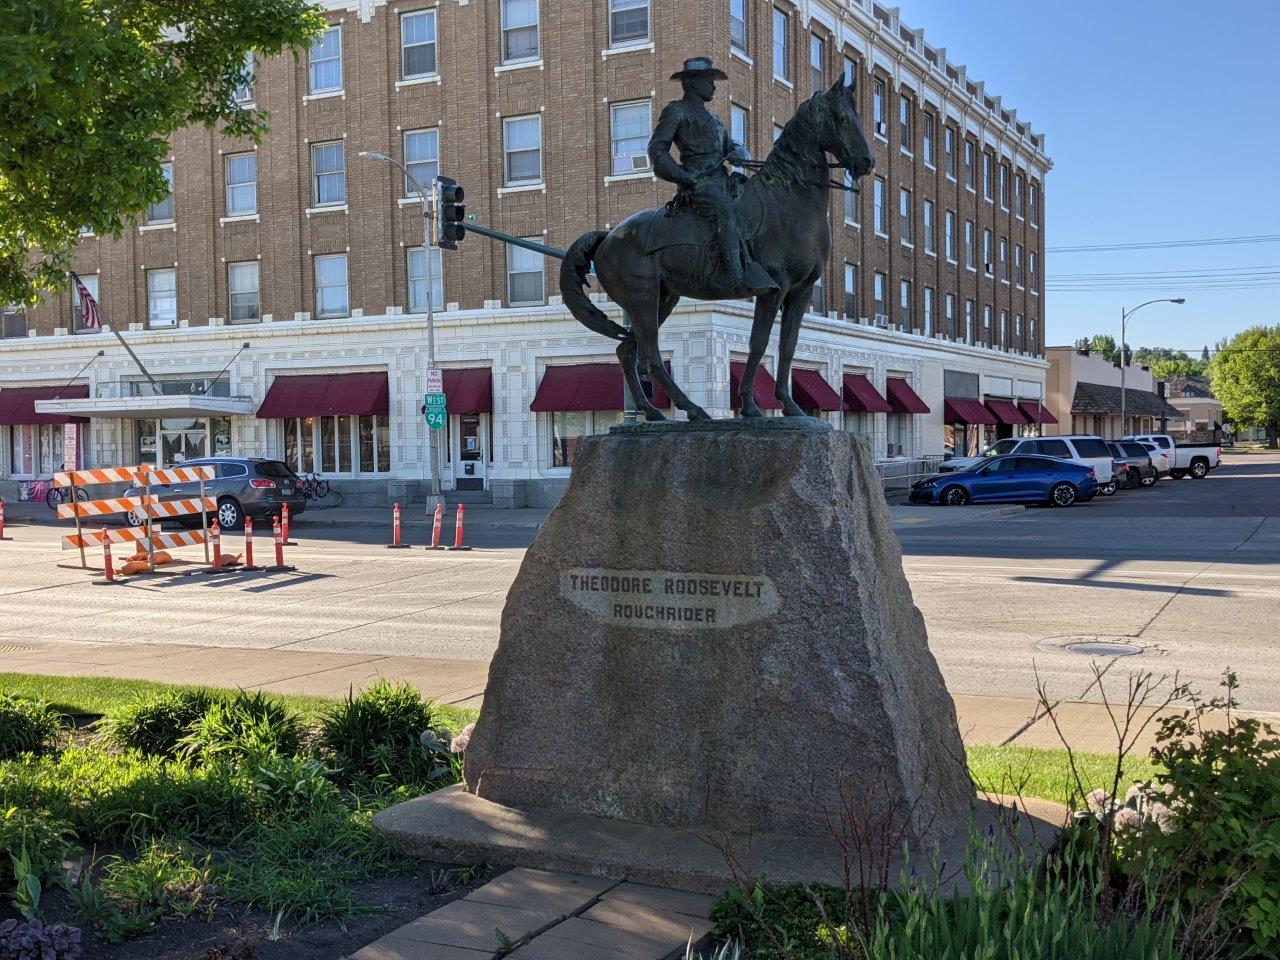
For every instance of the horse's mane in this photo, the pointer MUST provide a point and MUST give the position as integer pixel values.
(788, 164)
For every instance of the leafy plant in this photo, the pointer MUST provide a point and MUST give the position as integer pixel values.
(282, 783)
(166, 878)
(386, 734)
(34, 835)
(27, 887)
(156, 724)
(246, 726)
(36, 940)
(27, 726)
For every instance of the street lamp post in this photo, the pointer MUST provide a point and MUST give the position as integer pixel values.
(428, 211)
(1124, 319)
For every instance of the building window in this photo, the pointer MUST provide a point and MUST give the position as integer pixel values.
(328, 174)
(326, 61)
(1035, 341)
(418, 44)
(1019, 272)
(331, 286)
(818, 297)
(850, 71)
(628, 21)
(1019, 195)
(77, 313)
(988, 264)
(1004, 260)
(969, 308)
(420, 283)
(629, 128)
(1033, 201)
(969, 150)
(988, 176)
(777, 132)
(897, 429)
(970, 248)
(926, 139)
(421, 159)
(878, 213)
(738, 123)
(904, 304)
(949, 150)
(162, 297)
(986, 326)
(880, 293)
(949, 305)
(569, 426)
(904, 216)
(1004, 186)
(850, 291)
(738, 25)
(525, 284)
(926, 224)
(1034, 268)
(904, 122)
(949, 235)
(242, 184)
(522, 149)
(781, 44)
(850, 200)
(162, 210)
(243, 292)
(244, 90)
(343, 444)
(817, 56)
(1017, 332)
(519, 30)
(927, 306)
(877, 107)
(13, 322)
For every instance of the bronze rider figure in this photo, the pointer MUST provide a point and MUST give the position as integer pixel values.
(703, 181)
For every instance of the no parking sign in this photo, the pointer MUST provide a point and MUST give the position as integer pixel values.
(433, 401)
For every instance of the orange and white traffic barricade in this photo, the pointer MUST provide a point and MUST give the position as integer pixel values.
(284, 526)
(248, 544)
(457, 530)
(437, 521)
(79, 509)
(396, 543)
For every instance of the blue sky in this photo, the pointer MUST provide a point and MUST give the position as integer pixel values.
(1163, 122)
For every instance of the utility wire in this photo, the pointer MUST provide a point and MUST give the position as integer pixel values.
(1166, 244)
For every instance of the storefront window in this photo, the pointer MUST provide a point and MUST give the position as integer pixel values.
(568, 426)
(899, 425)
(345, 444)
(36, 450)
(174, 440)
(858, 421)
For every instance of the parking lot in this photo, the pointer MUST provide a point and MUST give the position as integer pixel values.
(1188, 572)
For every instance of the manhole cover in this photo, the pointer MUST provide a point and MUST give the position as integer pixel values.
(1102, 648)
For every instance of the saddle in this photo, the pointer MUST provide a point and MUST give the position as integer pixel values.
(678, 224)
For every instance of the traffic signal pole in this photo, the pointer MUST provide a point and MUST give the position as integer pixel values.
(516, 241)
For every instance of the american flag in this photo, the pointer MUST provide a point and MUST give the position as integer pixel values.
(90, 318)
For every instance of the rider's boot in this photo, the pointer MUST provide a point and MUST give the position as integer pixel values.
(755, 279)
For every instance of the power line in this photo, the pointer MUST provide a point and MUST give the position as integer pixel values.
(1167, 244)
(1198, 271)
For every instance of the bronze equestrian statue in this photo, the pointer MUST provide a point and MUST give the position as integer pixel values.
(770, 240)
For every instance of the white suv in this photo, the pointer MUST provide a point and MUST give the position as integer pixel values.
(1088, 451)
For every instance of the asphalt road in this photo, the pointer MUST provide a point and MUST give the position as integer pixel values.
(1188, 572)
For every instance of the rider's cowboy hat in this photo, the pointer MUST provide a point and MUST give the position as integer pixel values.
(699, 67)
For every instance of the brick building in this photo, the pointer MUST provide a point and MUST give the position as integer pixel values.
(312, 255)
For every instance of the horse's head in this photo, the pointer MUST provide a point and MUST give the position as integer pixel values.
(840, 128)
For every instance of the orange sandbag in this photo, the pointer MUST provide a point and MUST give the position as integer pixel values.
(133, 566)
(163, 556)
(230, 561)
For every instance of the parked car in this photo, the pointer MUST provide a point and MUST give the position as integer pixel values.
(1162, 460)
(242, 486)
(1193, 460)
(1017, 479)
(1088, 451)
(1133, 463)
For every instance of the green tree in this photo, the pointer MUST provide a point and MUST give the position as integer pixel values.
(90, 92)
(1246, 378)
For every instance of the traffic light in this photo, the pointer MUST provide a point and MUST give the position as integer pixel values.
(452, 212)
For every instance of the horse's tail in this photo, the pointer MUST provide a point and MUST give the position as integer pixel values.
(573, 279)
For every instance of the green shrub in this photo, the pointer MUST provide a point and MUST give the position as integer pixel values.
(158, 723)
(1216, 843)
(46, 842)
(166, 878)
(385, 736)
(27, 726)
(246, 726)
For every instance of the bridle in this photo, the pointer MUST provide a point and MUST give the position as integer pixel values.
(836, 184)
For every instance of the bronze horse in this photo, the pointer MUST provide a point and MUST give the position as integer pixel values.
(785, 210)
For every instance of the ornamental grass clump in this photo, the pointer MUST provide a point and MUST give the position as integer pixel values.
(27, 726)
(243, 727)
(157, 724)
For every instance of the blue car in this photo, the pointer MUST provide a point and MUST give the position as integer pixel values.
(1018, 479)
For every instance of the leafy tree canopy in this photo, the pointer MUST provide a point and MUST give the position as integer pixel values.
(90, 92)
(1246, 378)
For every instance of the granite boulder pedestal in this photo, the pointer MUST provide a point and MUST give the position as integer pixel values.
(711, 634)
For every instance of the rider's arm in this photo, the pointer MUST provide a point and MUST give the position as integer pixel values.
(735, 152)
(664, 134)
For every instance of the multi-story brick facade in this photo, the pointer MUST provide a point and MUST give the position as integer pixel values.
(541, 109)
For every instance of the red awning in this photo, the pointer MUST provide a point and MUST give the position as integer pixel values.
(762, 389)
(902, 399)
(326, 395)
(1007, 412)
(1036, 412)
(586, 386)
(469, 391)
(967, 410)
(861, 397)
(812, 392)
(18, 404)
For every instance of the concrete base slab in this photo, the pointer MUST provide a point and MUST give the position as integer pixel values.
(452, 825)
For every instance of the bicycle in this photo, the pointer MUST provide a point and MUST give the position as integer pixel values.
(34, 491)
(314, 487)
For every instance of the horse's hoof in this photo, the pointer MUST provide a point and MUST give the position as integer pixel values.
(697, 413)
(654, 416)
(793, 411)
(750, 413)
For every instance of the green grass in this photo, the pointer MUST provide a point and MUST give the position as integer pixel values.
(99, 694)
(1046, 774)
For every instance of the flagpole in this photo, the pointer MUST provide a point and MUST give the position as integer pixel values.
(128, 349)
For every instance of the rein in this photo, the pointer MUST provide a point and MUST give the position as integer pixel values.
(834, 184)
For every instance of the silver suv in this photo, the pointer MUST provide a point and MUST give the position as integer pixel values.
(241, 485)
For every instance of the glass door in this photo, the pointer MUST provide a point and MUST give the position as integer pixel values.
(469, 461)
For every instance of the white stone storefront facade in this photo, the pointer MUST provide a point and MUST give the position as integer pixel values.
(517, 447)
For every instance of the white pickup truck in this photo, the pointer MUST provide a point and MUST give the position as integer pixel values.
(1193, 460)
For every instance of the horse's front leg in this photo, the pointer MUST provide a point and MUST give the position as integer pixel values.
(793, 310)
(761, 327)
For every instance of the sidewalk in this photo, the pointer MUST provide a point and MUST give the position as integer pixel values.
(994, 721)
